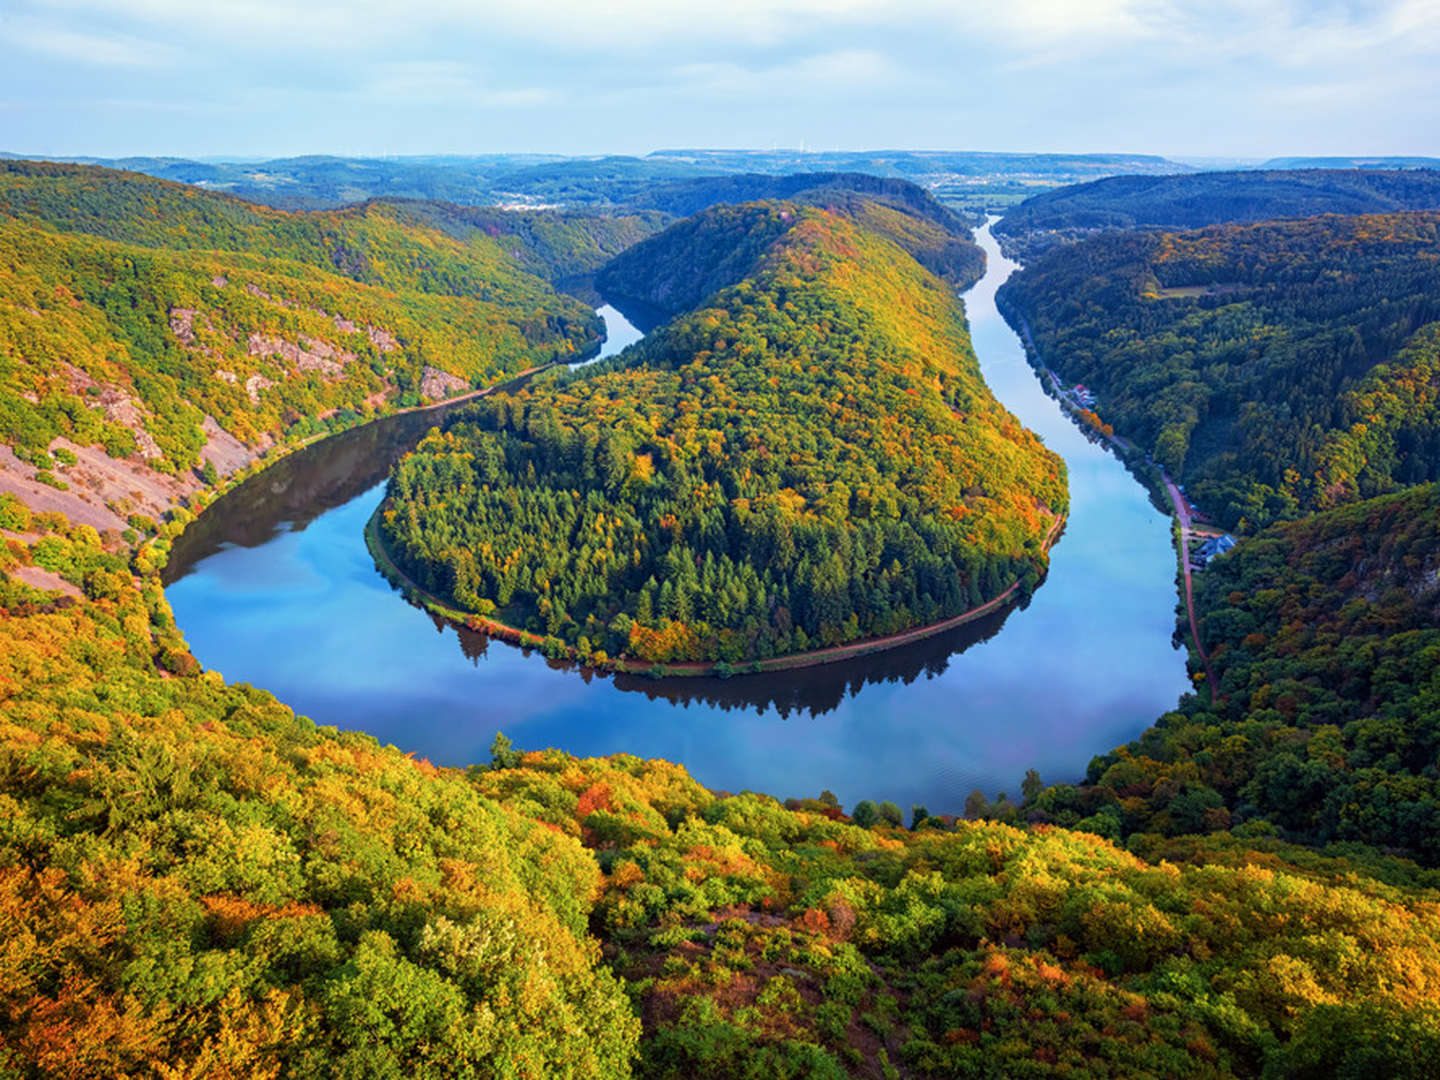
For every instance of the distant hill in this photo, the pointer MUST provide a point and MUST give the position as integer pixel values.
(917, 163)
(932, 233)
(975, 181)
(1352, 163)
(563, 246)
(1191, 201)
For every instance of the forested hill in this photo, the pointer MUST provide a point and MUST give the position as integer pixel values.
(1276, 368)
(935, 235)
(1324, 727)
(807, 458)
(1197, 199)
(192, 875)
(558, 245)
(149, 328)
(675, 271)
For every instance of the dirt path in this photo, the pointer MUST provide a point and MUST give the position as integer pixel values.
(1182, 513)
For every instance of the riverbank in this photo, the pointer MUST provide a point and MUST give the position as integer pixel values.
(1153, 474)
(555, 649)
(152, 554)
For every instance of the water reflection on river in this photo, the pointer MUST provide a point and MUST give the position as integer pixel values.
(274, 586)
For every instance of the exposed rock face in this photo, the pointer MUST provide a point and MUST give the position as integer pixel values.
(183, 322)
(121, 408)
(382, 339)
(256, 383)
(182, 325)
(314, 355)
(118, 406)
(436, 384)
(222, 449)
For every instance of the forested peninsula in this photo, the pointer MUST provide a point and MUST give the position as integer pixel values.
(805, 457)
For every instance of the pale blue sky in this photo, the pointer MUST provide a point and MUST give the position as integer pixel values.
(1250, 78)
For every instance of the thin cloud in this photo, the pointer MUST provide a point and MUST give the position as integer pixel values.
(845, 71)
(449, 83)
(113, 50)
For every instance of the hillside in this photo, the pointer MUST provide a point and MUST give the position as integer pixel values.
(1275, 368)
(191, 874)
(908, 214)
(807, 458)
(1325, 637)
(1211, 198)
(560, 246)
(673, 273)
(147, 329)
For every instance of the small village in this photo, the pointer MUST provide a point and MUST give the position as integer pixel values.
(1203, 542)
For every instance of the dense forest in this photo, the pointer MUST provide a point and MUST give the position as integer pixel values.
(1324, 727)
(196, 882)
(675, 272)
(1275, 368)
(560, 246)
(191, 874)
(1210, 198)
(806, 459)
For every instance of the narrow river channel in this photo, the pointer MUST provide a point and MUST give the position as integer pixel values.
(273, 586)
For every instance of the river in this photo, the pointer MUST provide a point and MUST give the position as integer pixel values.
(273, 586)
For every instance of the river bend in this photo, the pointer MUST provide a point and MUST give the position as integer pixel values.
(273, 586)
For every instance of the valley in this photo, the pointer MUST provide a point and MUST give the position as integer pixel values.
(259, 818)
(245, 581)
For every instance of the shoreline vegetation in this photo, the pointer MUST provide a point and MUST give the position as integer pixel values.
(1148, 472)
(555, 649)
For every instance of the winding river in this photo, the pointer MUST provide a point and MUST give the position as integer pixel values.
(273, 586)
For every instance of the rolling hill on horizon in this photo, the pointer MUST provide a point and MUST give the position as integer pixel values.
(1211, 198)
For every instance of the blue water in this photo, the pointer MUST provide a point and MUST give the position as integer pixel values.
(278, 590)
(620, 332)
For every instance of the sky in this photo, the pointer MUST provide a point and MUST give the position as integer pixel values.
(1223, 78)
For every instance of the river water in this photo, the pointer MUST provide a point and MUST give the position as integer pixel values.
(273, 586)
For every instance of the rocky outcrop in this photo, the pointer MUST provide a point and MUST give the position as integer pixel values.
(313, 355)
(436, 385)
